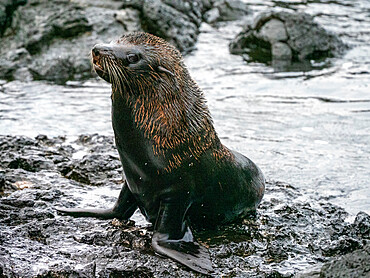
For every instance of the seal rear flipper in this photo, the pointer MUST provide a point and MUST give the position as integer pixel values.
(188, 253)
(123, 209)
(173, 238)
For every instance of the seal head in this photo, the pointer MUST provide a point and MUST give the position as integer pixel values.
(136, 58)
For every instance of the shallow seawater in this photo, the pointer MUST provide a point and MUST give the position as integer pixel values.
(309, 129)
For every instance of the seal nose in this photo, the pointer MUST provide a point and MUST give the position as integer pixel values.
(95, 51)
(100, 49)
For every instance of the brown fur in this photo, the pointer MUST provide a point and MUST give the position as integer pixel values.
(170, 110)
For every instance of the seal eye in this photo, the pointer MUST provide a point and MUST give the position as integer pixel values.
(132, 58)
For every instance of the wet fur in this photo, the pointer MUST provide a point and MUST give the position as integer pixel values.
(169, 109)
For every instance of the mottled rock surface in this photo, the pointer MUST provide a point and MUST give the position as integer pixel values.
(284, 39)
(290, 233)
(226, 10)
(7, 8)
(355, 264)
(52, 40)
(176, 21)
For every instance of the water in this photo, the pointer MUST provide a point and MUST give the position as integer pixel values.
(310, 129)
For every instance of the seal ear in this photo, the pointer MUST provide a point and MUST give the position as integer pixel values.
(163, 69)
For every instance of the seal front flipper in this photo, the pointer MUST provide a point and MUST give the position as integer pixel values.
(173, 238)
(123, 209)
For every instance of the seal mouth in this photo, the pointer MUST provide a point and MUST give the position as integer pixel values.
(99, 68)
(97, 63)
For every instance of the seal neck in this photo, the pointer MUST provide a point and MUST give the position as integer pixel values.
(172, 118)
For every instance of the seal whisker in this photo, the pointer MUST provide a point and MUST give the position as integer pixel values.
(115, 79)
(118, 73)
(126, 78)
(110, 73)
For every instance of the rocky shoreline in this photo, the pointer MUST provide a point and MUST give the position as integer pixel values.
(52, 40)
(290, 235)
(287, 41)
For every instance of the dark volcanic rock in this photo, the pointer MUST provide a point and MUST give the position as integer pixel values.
(176, 21)
(56, 38)
(2, 182)
(69, 21)
(289, 234)
(362, 224)
(7, 8)
(356, 264)
(52, 40)
(93, 169)
(16, 64)
(288, 40)
(21, 156)
(226, 10)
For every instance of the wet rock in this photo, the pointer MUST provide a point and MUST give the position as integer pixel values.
(93, 169)
(136, 272)
(7, 9)
(58, 36)
(82, 270)
(25, 153)
(226, 10)
(176, 21)
(2, 182)
(166, 21)
(32, 163)
(20, 156)
(273, 31)
(66, 22)
(362, 224)
(14, 66)
(343, 245)
(7, 69)
(356, 264)
(128, 18)
(97, 143)
(98, 166)
(287, 41)
(289, 233)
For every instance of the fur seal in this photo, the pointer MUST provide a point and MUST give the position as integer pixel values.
(177, 171)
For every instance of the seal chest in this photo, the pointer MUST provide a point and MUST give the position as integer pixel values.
(177, 171)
